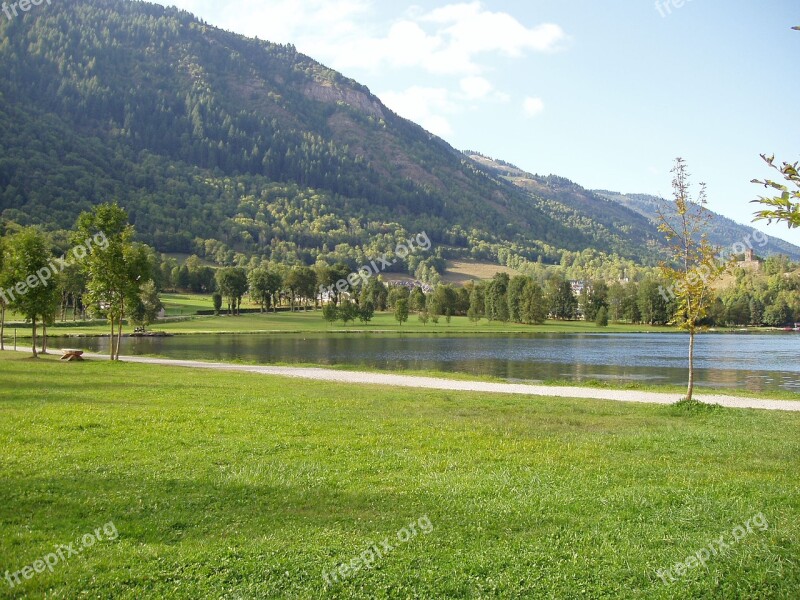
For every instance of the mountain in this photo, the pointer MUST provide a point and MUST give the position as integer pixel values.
(230, 148)
(723, 232)
(611, 211)
(578, 207)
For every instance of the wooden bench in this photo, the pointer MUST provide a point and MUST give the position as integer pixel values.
(69, 354)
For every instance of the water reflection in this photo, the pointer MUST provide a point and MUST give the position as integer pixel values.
(745, 361)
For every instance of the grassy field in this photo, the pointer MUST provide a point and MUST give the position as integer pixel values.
(460, 272)
(245, 486)
(187, 305)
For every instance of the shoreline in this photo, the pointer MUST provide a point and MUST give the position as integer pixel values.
(436, 383)
(460, 332)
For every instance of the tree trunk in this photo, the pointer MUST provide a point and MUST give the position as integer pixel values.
(119, 327)
(35, 354)
(2, 325)
(111, 338)
(690, 389)
(119, 337)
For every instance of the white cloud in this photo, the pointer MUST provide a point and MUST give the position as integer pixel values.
(459, 43)
(532, 107)
(405, 45)
(474, 29)
(286, 21)
(455, 39)
(476, 87)
(452, 39)
(425, 105)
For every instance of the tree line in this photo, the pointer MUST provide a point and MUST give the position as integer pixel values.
(38, 279)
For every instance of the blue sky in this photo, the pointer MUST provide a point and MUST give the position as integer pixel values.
(606, 93)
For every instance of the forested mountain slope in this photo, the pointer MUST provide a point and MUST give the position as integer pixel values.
(723, 232)
(611, 212)
(226, 146)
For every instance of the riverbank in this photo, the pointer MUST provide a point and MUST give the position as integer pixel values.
(431, 383)
(227, 483)
(382, 324)
(312, 322)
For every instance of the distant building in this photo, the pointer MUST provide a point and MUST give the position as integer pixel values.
(578, 285)
(750, 261)
(411, 285)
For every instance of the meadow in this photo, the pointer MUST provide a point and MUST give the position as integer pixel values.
(182, 309)
(248, 486)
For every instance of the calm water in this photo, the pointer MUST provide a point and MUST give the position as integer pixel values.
(745, 361)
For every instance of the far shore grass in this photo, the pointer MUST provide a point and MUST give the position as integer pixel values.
(240, 485)
(183, 319)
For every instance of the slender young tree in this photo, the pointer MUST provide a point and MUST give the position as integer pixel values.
(401, 311)
(114, 271)
(307, 284)
(232, 284)
(34, 294)
(148, 305)
(259, 287)
(692, 267)
(2, 288)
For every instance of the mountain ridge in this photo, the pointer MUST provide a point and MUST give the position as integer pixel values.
(233, 148)
(722, 232)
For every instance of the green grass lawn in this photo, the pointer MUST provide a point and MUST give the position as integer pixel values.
(187, 305)
(312, 322)
(246, 486)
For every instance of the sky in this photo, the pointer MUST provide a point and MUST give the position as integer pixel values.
(606, 93)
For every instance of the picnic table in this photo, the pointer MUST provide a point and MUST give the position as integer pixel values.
(71, 354)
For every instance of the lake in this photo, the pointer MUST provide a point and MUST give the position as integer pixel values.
(746, 361)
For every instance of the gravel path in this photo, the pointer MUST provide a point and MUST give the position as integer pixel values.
(432, 383)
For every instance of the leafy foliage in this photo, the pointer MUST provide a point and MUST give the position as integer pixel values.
(785, 207)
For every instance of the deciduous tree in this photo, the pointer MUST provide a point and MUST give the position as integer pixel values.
(232, 284)
(114, 272)
(401, 310)
(692, 267)
(34, 294)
